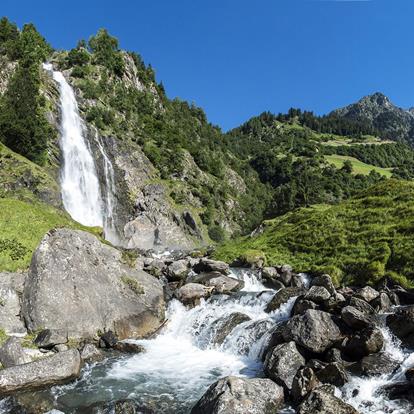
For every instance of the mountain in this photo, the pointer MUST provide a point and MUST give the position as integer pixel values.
(380, 113)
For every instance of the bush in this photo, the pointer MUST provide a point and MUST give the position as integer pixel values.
(216, 233)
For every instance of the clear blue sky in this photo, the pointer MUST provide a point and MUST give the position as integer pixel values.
(237, 58)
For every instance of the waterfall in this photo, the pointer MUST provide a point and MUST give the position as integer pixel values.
(81, 193)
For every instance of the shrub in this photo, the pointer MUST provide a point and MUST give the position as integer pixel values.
(216, 233)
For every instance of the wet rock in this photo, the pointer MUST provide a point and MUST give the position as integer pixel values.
(112, 296)
(297, 281)
(316, 364)
(334, 304)
(59, 368)
(409, 374)
(276, 337)
(282, 363)
(207, 265)
(108, 340)
(48, 338)
(130, 407)
(401, 390)
(225, 284)
(334, 373)
(128, 347)
(314, 330)
(269, 273)
(274, 284)
(178, 270)
(283, 296)
(354, 318)
(223, 326)
(382, 303)
(375, 364)
(232, 395)
(191, 293)
(317, 294)
(368, 341)
(12, 353)
(301, 306)
(90, 353)
(334, 355)
(11, 287)
(322, 401)
(362, 306)
(285, 274)
(303, 383)
(367, 293)
(324, 281)
(401, 324)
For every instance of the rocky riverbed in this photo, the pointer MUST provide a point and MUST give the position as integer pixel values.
(93, 330)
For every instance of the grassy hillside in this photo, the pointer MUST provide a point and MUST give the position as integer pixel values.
(357, 241)
(22, 226)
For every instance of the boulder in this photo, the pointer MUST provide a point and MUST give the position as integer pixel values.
(367, 293)
(269, 273)
(362, 306)
(368, 341)
(128, 347)
(11, 288)
(409, 374)
(303, 383)
(108, 340)
(401, 324)
(301, 306)
(324, 281)
(178, 270)
(223, 326)
(317, 294)
(282, 364)
(282, 296)
(191, 293)
(382, 303)
(225, 284)
(334, 373)
(232, 395)
(80, 285)
(90, 353)
(60, 348)
(48, 338)
(12, 353)
(314, 330)
(285, 274)
(354, 318)
(322, 401)
(207, 265)
(374, 364)
(59, 368)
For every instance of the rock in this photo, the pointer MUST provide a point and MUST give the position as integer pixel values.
(314, 330)
(321, 401)
(354, 318)
(269, 273)
(128, 347)
(223, 326)
(401, 324)
(59, 368)
(225, 284)
(191, 293)
(58, 295)
(282, 363)
(232, 395)
(60, 348)
(334, 373)
(178, 270)
(276, 337)
(317, 294)
(48, 338)
(12, 353)
(207, 265)
(316, 364)
(334, 355)
(90, 353)
(368, 341)
(283, 296)
(303, 383)
(274, 284)
(286, 274)
(374, 364)
(334, 304)
(301, 306)
(108, 340)
(382, 303)
(367, 293)
(409, 374)
(324, 281)
(399, 390)
(11, 287)
(297, 281)
(155, 267)
(362, 306)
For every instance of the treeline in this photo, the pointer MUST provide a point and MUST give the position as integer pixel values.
(23, 125)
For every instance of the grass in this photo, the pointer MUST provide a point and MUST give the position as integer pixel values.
(22, 226)
(358, 166)
(358, 241)
(133, 284)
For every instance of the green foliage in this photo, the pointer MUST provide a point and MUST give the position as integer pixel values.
(9, 36)
(216, 233)
(133, 284)
(360, 240)
(3, 336)
(32, 46)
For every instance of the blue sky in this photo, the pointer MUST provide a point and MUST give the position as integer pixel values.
(237, 58)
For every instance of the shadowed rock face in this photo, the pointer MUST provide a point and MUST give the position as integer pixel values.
(80, 285)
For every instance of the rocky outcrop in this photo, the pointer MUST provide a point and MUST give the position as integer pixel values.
(60, 368)
(80, 285)
(12, 353)
(232, 395)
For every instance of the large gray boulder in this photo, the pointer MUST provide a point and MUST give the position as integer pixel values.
(324, 281)
(314, 330)
(282, 364)
(80, 285)
(192, 293)
(283, 296)
(209, 265)
(303, 383)
(222, 327)
(233, 395)
(60, 368)
(354, 318)
(11, 288)
(12, 353)
(401, 324)
(362, 343)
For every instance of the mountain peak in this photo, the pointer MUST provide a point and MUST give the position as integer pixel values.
(377, 98)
